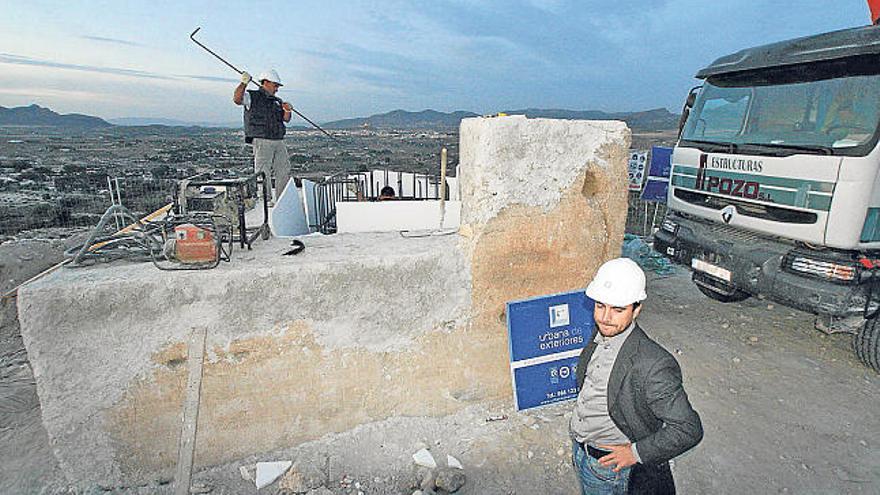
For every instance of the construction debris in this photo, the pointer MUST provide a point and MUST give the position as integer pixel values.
(425, 459)
(320, 491)
(302, 478)
(245, 473)
(428, 479)
(268, 472)
(449, 479)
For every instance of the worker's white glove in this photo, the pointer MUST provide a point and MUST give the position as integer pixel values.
(245, 78)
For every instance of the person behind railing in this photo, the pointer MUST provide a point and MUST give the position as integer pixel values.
(387, 193)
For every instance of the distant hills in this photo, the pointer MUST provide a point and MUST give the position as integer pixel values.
(35, 115)
(656, 119)
(147, 121)
(401, 119)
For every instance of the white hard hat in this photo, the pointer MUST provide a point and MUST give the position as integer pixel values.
(619, 282)
(270, 75)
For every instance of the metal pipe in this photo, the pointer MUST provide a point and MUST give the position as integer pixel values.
(236, 69)
(118, 192)
(113, 200)
(442, 186)
(118, 200)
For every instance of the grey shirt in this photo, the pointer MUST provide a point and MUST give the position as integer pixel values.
(590, 422)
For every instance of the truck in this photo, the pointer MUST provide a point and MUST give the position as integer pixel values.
(774, 189)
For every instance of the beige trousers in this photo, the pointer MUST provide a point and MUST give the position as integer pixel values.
(270, 156)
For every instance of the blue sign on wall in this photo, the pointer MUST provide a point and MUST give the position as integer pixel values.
(546, 336)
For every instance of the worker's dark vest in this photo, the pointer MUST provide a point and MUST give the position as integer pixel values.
(265, 117)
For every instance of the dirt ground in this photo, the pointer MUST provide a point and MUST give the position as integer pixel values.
(785, 409)
(26, 461)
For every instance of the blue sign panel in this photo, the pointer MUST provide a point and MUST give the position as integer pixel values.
(661, 162)
(658, 175)
(545, 383)
(546, 335)
(655, 190)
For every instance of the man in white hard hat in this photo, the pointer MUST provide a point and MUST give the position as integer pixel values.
(264, 118)
(632, 414)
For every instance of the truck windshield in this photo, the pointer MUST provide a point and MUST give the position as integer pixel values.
(824, 116)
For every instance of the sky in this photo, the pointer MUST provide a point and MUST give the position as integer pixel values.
(341, 59)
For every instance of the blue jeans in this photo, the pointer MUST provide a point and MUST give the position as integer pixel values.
(596, 479)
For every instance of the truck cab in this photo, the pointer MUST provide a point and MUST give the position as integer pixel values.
(774, 188)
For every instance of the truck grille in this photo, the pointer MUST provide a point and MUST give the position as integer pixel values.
(718, 231)
(765, 212)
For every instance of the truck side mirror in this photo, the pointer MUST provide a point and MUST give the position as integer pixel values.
(686, 110)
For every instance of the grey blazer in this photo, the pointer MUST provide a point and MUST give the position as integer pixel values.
(646, 399)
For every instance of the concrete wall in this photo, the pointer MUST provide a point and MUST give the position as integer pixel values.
(359, 328)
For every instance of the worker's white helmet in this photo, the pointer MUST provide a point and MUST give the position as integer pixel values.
(270, 75)
(619, 282)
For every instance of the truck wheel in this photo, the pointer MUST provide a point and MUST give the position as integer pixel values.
(736, 296)
(866, 344)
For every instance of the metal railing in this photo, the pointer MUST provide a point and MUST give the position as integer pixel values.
(367, 186)
(334, 189)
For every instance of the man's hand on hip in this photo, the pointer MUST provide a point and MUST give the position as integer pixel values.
(621, 456)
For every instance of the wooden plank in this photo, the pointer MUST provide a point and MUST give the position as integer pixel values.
(188, 430)
(155, 216)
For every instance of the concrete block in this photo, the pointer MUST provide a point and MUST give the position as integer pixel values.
(544, 205)
(358, 327)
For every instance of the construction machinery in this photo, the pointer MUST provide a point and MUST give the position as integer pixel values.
(197, 231)
(775, 183)
(228, 200)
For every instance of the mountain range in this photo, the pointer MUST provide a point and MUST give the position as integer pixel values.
(35, 115)
(401, 119)
(656, 119)
(148, 121)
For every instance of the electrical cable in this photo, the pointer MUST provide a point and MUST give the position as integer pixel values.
(433, 233)
(146, 241)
